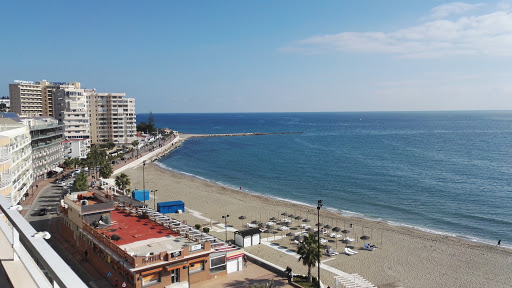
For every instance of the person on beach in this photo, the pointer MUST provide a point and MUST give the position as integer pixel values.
(245, 261)
(499, 242)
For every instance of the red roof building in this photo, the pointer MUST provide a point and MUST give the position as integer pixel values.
(142, 247)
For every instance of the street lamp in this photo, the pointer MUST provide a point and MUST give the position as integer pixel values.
(144, 182)
(154, 199)
(226, 225)
(319, 253)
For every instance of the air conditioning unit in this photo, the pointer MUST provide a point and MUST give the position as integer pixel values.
(84, 202)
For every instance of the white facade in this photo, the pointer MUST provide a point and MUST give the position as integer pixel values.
(15, 161)
(46, 137)
(112, 117)
(70, 108)
(75, 148)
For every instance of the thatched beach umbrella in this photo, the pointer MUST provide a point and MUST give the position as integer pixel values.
(289, 234)
(290, 215)
(319, 224)
(364, 237)
(327, 226)
(242, 218)
(275, 232)
(273, 219)
(284, 214)
(298, 217)
(345, 231)
(306, 220)
(336, 229)
(255, 222)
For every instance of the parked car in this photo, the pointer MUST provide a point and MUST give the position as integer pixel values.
(43, 211)
(51, 173)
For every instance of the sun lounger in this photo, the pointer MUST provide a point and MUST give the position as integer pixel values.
(349, 251)
(348, 240)
(366, 247)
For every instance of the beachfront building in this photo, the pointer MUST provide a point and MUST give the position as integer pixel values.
(47, 151)
(15, 160)
(32, 99)
(112, 117)
(25, 98)
(46, 135)
(141, 247)
(70, 108)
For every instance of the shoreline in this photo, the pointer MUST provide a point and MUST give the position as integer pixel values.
(406, 257)
(342, 213)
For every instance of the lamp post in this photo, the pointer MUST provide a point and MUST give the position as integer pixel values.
(144, 182)
(319, 254)
(154, 199)
(226, 225)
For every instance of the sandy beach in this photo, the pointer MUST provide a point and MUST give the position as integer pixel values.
(405, 258)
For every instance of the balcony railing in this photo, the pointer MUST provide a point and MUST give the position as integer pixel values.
(29, 247)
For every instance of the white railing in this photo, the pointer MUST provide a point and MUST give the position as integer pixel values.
(28, 247)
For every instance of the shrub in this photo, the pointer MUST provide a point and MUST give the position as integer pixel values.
(206, 229)
(198, 226)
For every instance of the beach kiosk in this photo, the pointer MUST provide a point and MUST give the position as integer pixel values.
(248, 237)
(170, 207)
(140, 195)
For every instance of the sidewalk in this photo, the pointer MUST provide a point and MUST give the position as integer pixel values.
(252, 274)
(73, 258)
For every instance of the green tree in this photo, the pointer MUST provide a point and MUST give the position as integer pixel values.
(142, 127)
(96, 158)
(106, 170)
(75, 161)
(80, 183)
(68, 162)
(135, 144)
(151, 123)
(122, 182)
(309, 252)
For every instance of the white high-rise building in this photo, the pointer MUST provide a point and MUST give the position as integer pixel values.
(70, 108)
(16, 173)
(112, 117)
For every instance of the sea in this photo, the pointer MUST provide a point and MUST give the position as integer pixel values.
(442, 172)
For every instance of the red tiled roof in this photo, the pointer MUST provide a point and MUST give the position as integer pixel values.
(132, 229)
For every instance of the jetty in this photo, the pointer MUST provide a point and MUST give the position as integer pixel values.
(235, 134)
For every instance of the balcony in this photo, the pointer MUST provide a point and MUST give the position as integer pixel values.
(27, 258)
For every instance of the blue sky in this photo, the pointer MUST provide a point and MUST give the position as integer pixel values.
(267, 56)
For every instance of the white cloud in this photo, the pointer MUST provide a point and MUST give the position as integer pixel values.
(486, 34)
(454, 8)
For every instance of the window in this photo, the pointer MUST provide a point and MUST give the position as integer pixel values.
(196, 267)
(218, 263)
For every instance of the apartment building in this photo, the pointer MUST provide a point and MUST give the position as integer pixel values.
(47, 150)
(26, 99)
(112, 118)
(15, 160)
(70, 108)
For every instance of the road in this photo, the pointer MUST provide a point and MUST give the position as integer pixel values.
(48, 198)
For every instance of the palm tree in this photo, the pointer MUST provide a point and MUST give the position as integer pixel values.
(106, 170)
(122, 182)
(95, 158)
(135, 144)
(309, 252)
(68, 162)
(75, 161)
